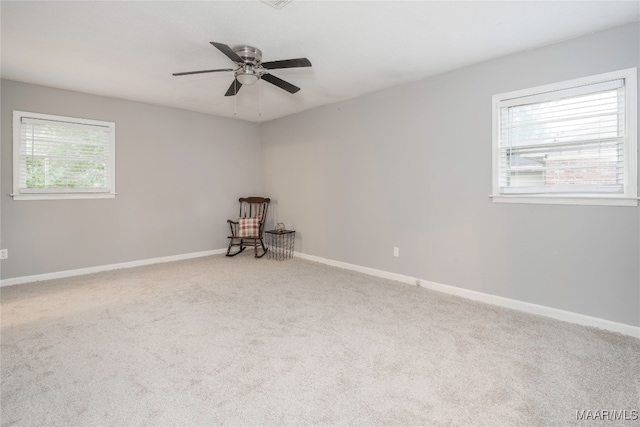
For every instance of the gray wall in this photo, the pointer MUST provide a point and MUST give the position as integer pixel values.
(411, 167)
(178, 176)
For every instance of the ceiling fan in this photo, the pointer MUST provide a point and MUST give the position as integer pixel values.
(250, 68)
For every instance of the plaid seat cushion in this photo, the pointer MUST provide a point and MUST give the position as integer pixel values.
(249, 227)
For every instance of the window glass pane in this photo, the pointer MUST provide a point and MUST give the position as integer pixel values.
(585, 164)
(563, 145)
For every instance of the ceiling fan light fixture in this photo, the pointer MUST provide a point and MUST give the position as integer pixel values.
(247, 78)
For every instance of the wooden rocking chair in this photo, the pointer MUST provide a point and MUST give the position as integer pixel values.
(248, 230)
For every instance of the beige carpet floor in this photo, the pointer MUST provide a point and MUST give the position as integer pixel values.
(239, 341)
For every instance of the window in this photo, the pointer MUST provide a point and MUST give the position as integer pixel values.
(568, 143)
(57, 157)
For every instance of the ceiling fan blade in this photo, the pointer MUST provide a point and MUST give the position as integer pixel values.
(227, 51)
(186, 73)
(280, 83)
(287, 63)
(234, 88)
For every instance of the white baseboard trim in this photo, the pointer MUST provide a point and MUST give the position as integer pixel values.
(513, 304)
(99, 268)
(527, 307)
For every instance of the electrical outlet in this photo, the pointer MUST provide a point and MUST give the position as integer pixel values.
(396, 252)
(4, 253)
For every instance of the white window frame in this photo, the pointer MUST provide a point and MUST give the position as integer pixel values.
(68, 193)
(629, 197)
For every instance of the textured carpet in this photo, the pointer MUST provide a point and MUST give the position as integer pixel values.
(240, 341)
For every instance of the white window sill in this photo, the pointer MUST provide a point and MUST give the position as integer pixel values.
(63, 196)
(567, 200)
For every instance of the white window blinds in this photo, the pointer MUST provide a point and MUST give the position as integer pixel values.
(565, 141)
(63, 155)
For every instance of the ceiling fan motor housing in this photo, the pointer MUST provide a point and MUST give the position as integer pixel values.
(249, 54)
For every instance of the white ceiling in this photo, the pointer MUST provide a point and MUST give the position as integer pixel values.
(129, 49)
